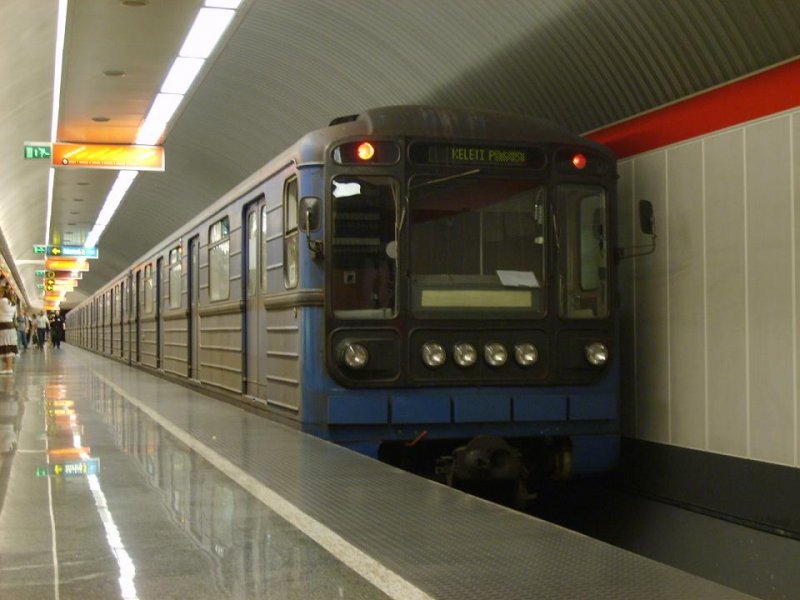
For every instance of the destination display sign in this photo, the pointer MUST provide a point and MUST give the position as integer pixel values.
(470, 154)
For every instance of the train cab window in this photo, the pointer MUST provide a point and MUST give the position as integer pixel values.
(364, 248)
(175, 277)
(149, 289)
(290, 235)
(219, 260)
(477, 246)
(583, 259)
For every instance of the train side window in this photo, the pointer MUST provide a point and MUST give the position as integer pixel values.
(219, 245)
(175, 277)
(149, 290)
(290, 235)
(252, 253)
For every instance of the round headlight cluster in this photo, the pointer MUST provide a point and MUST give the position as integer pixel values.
(433, 354)
(597, 354)
(465, 354)
(355, 356)
(495, 354)
(526, 354)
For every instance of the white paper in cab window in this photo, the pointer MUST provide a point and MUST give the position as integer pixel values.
(518, 279)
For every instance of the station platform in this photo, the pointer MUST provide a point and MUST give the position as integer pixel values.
(119, 484)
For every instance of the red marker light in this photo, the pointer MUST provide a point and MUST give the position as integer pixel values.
(579, 161)
(365, 151)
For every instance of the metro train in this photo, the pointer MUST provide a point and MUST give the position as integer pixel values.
(416, 283)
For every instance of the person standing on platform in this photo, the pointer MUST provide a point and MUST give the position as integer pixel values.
(22, 331)
(8, 331)
(57, 330)
(42, 325)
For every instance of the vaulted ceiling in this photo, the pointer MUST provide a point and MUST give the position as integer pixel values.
(290, 66)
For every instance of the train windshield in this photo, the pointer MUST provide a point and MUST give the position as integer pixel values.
(364, 253)
(477, 245)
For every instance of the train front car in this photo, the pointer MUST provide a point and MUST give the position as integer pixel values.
(468, 283)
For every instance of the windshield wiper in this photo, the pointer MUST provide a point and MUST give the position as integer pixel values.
(443, 179)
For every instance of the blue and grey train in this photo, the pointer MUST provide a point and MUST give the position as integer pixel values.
(409, 282)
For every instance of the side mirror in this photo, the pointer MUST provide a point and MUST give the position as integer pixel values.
(647, 221)
(647, 224)
(309, 214)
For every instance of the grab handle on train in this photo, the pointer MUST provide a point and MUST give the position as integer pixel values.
(310, 209)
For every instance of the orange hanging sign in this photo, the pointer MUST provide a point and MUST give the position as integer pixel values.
(108, 156)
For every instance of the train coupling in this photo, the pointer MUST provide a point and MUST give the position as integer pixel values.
(484, 458)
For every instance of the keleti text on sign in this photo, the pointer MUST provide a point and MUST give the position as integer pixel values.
(487, 155)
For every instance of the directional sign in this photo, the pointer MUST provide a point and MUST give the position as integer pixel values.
(59, 274)
(33, 150)
(89, 466)
(39, 249)
(76, 251)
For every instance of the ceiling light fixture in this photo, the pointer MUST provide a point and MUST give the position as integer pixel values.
(206, 31)
(208, 28)
(182, 75)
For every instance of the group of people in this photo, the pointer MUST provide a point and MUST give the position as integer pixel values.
(18, 330)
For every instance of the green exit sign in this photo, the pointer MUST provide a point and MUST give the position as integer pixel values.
(38, 150)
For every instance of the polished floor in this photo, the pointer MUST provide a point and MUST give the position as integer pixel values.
(118, 484)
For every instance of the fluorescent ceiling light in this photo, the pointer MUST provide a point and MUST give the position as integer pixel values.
(181, 75)
(163, 109)
(206, 31)
(232, 4)
(123, 182)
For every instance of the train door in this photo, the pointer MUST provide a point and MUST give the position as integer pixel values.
(159, 337)
(254, 269)
(112, 315)
(122, 315)
(193, 289)
(137, 315)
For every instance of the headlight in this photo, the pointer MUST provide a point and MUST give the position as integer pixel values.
(433, 354)
(495, 354)
(355, 356)
(597, 354)
(464, 354)
(526, 354)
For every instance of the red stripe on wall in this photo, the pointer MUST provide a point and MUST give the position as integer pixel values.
(759, 95)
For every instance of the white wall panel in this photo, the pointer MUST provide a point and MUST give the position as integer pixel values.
(770, 291)
(795, 172)
(725, 293)
(652, 309)
(710, 321)
(625, 239)
(686, 295)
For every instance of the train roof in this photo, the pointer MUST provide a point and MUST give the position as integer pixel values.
(432, 122)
